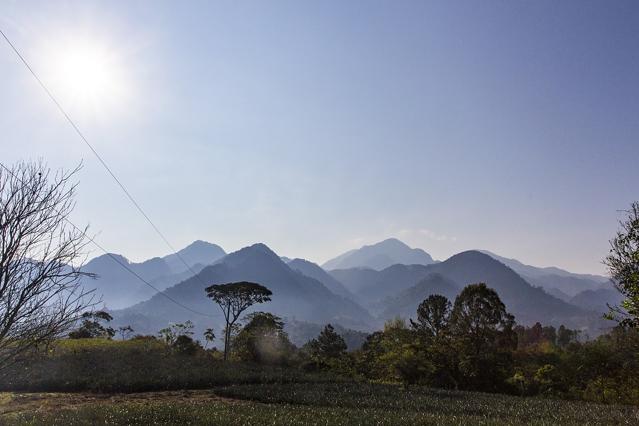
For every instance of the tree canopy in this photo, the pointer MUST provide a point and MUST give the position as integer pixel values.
(623, 264)
(235, 298)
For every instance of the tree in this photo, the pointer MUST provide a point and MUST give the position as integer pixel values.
(41, 296)
(171, 333)
(209, 336)
(186, 345)
(623, 265)
(125, 332)
(263, 340)
(328, 345)
(565, 336)
(432, 316)
(233, 299)
(483, 337)
(92, 327)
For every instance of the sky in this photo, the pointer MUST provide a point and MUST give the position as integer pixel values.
(317, 127)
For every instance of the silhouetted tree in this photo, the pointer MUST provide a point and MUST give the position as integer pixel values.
(565, 336)
(171, 333)
(233, 299)
(209, 336)
(40, 292)
(327, 345)
(185, 345)
(92, 327)
(432, 316)
(483, 337)
(623, 264)
(125, 332)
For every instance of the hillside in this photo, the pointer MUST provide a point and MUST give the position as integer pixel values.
(295, 295)
(529, 304)
(313, 270)
(370, 286)
(552, 277)
(597, 300)
(197, 253)
(118, 288)
(379, 256)
(406, 302)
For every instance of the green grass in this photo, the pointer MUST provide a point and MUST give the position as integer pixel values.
(336, 404)
(108, 382)
(98, 365)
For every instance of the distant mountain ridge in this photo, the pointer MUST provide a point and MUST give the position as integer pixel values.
(313, 270)
(295, 295)
(379, 256)
(118, 288)
(529, 304)
(304, 292)
(553, 278)
(198, 252)
(406, 302)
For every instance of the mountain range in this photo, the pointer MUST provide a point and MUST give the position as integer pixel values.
(118, 288)
(553, 278)
(359, 296)
(382, 291)
(295, 295)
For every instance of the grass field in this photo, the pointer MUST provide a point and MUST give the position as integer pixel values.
(303, 404)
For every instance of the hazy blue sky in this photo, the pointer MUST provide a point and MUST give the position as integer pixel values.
(316, 127)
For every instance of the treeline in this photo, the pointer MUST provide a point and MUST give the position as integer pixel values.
(471, 344)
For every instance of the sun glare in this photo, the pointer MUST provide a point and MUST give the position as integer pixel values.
(87, 76)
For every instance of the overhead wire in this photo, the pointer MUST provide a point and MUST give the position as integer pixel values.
(102, 162)
(115, 259)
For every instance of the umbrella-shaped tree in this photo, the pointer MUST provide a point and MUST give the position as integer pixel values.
(235, 298)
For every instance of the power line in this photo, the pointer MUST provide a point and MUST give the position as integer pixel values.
(100, 159)
(118, 261)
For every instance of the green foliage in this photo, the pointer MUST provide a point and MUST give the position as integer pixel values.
(136, 365)
(331, 403)
(432, 316)
(328, 345)
(174, 331)
(92, 327)
(623, 264)
(263, 340)
(482, 338)
(186, 345)
(233, 299)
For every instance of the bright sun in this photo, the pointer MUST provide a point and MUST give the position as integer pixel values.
(88, 76)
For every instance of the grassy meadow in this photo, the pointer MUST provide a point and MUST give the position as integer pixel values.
(140, 382)
(305, 404)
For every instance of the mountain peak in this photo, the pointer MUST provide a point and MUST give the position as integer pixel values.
(392, 242)
(198, 252)
(380, 256)
(254, 251)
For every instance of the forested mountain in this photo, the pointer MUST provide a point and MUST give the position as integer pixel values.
(370, 286)
(295, 296)
(379, 256)
(597, 300)
(406, 302)
(529, 304)
(303, 291)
